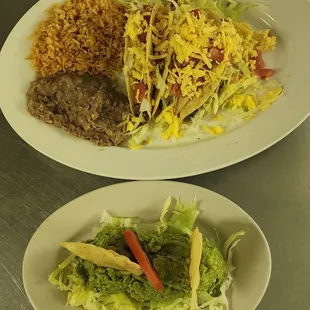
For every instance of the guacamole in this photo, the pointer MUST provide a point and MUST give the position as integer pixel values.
(168, 244)
(169, 253)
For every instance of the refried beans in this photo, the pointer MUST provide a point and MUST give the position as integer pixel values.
(85, 106)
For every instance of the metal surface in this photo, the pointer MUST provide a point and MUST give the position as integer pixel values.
(273, 187)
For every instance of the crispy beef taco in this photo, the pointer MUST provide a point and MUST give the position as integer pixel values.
(191, 73)
(137, 67)
(162, 52)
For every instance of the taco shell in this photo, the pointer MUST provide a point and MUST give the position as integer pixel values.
(160, 92)
(147, 50)
(194, 268)
(193, 105)
(181, 103)
(102, 257)
(127, 78)
(163, 34)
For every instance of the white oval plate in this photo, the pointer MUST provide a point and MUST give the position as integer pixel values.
(75, 221)
(170, 159)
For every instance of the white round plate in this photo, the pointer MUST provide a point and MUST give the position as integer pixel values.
(75, 221)
(169, 159)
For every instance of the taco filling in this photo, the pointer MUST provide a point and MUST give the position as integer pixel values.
(163, 265)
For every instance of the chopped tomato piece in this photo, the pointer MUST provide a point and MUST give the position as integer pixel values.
(139, 92)
(216, 54)
(265, 73)
(175, 90)
(142, 37)
(196, 13)
(260, 64)
(141, 257)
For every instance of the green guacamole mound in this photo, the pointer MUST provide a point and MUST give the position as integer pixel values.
(169, 253)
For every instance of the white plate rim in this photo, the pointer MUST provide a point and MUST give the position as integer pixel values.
(179, 186)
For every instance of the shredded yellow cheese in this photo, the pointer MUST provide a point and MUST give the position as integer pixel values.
(216, 130)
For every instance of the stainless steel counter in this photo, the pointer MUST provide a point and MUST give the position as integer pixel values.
(273, 187)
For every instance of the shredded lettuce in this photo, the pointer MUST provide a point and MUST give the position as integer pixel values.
(160, 82)
(210, 5)
(243, 68)
(225, 8)
(58, 278)
(107, 219)
(184, 217)
(232, 241)
(134, 5)
(145, 106)
(139, 136)
(235, 9)
(221, 302)
(162, 225)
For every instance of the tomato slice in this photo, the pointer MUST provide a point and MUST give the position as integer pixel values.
(216, 54)
(143, 260)
(260, 64)
(265, 73)
(175, 90)
(260, 70)
(141, 88)
(196, 13)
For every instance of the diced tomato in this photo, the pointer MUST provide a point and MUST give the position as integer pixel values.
(142, 259)
(142, 37)
(260, 64)
(175, 90)
(196, 13)
(141, 88)
(260, 69)
(216, 54)
(265, 73)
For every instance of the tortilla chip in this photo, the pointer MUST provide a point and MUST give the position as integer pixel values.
(194, 273)
(102, 257)
(193, 105)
